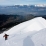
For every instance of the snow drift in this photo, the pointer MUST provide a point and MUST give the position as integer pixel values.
(29, 33)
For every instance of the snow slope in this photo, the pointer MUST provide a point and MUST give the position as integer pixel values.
(31, 25)
(25, 34)
(39, 38)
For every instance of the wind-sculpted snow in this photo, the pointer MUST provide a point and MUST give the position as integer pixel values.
(39, 38)
(29, 33)
(28, 42)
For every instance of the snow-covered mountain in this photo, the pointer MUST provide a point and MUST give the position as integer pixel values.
(40, 5)
(31, 25)
(29, 33)
(24, 9)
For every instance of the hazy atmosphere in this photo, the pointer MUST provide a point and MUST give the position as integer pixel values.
(21, 2)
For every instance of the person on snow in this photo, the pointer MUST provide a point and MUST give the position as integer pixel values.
(6, 36)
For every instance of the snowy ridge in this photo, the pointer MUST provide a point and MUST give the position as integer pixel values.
(40, 5)
(37, 5)
(29, 33)
(31, 25)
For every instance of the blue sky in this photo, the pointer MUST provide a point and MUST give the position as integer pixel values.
(18, 2)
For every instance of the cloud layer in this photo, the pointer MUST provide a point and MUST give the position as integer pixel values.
(12, 2)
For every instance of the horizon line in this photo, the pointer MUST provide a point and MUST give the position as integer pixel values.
(22, 4)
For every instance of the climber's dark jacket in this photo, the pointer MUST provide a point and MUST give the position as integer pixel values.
(6, 36)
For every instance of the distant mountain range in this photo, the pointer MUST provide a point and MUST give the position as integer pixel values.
(23, 9)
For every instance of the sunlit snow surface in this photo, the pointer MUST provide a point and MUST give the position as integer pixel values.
(26, 34)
